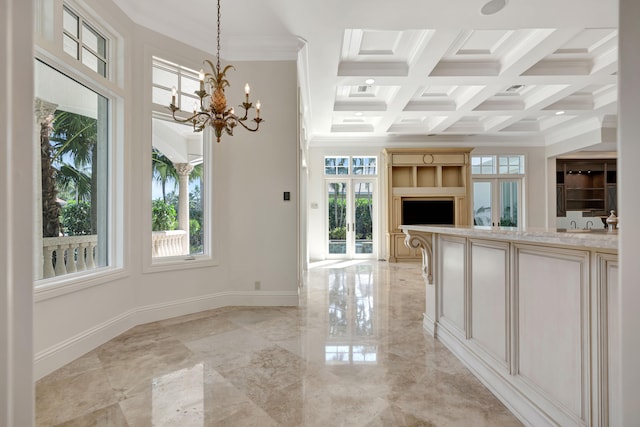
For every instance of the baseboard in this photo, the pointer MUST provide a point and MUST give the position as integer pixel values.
(429, 325)
(59, 354)
(518, 403)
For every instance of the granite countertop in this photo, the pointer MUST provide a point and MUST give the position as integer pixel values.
(592, 238)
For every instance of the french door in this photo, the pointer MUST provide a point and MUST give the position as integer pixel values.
(351, 218)
(497, 202)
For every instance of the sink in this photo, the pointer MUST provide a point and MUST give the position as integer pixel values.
(581, 230)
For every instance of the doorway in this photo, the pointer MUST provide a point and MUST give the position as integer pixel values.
(350, 218)
(497, 202)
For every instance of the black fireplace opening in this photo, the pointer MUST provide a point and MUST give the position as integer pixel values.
(438, 212)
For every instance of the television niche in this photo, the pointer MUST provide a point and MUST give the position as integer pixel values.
(432, 212)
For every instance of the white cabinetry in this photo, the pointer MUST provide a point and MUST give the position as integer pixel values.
(533, 316)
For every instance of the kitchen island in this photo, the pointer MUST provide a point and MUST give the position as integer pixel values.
(531, 313)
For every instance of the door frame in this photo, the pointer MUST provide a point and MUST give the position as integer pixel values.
(350, 252)
(496, 196)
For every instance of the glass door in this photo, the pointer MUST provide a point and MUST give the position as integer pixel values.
(337, 221)
(497, 202)
(350, 219)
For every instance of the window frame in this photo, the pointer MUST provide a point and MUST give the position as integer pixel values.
(209, 255)
(496, 178)
(83, 22)
(45, 288)
(350, 167)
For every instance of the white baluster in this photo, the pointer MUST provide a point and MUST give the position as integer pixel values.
(60, 268)
(80, 264)
(48, 270)
(71, 259)
(91, 256)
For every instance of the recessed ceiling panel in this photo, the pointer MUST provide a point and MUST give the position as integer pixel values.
(379, 42)
(588, 41)
(483, 42)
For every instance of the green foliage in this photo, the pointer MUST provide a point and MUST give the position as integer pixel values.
(338, 233)
(337, 228)
(196, 234)
(508, 222)
(76, 218)
(364, 227)
(163, 216)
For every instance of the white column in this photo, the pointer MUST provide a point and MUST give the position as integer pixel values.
(628, 207)
(183, 169)
(16, 213)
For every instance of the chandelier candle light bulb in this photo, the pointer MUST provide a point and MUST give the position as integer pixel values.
(216, 113)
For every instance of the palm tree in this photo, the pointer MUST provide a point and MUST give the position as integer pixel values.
(50, 206)
(163, 171)
(75, 139)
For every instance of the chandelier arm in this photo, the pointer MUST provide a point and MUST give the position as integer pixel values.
(190, 118)
(241, 123)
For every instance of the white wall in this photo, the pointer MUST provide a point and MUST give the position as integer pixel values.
(16, 209)
(254, 229)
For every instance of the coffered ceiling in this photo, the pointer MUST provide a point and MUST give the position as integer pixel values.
(536, 72)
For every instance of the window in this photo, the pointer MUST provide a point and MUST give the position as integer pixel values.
(510, 165)
(483, 165)
(336, 166)
(359, 165)
(363, 165)
(83, 42)
(177, 163)
(179, 190)
(75, 174)
(507, 165)
(167, 75)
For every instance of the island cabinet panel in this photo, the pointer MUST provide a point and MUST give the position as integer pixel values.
(552, 325)
(490, 298)
(533, 313)
(453, 284)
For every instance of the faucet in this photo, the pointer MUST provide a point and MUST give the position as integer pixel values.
(573, 224)
(588, 224)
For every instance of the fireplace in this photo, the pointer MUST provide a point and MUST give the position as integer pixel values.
(428, 211)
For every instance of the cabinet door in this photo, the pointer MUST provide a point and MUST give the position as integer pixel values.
(561, 209)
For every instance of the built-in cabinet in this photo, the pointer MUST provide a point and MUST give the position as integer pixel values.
(425, 186)
(587, 185)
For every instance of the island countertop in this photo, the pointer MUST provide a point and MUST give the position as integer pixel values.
(591, 238)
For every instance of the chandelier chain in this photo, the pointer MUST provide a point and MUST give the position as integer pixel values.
(218, 51)
(213, 110)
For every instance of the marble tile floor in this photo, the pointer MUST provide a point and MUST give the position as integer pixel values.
(352, 354)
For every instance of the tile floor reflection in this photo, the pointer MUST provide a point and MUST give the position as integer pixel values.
(353, 354)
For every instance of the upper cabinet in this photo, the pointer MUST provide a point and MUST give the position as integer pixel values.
(587, 185)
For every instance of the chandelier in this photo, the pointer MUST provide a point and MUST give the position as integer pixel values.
(213, 109)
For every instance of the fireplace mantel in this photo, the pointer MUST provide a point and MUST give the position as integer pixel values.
(424, 174)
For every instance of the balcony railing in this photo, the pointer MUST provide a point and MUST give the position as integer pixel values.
(63, 255)
(70, 254)
(169, 243)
